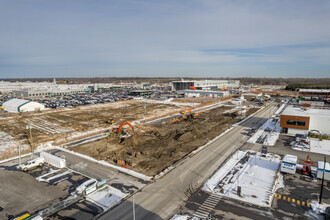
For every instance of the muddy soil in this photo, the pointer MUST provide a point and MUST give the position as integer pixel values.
(60, 125)
(150, 149)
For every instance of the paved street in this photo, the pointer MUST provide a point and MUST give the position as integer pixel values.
(161, 199)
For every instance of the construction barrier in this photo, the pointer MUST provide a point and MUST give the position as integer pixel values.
(53, 160)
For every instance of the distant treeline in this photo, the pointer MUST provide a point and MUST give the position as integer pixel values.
(296, 86)
(244, 80)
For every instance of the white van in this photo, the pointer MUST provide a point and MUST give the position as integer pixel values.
(87, 187)
(31, 164)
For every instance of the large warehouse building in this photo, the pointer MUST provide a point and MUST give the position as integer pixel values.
(296, 120)
(22, 105)
(205, 84)
(44, 93)
(316, 97)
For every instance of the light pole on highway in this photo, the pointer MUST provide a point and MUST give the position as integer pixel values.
(127, 192)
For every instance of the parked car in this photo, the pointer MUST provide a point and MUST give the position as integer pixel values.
(87, 187)
(29, 165)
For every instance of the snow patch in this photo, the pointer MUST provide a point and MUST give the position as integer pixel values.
(267, 134)
(256, 174)
(315, 146)
(318, 208)
(107, 197)
(180, 217)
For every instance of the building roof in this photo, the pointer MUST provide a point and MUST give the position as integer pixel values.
(305, 112)
(315, 90)
(12, 105)
(201, 91)
(320, 165)
(290, 158)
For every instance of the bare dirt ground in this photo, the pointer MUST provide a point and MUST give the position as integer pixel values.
(64, 125)
(150, 149)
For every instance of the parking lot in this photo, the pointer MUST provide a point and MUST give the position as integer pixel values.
(43, 186)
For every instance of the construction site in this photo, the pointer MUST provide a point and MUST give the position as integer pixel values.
(151, 148)
(56, 127)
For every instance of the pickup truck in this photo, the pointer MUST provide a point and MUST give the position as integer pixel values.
(31, 164)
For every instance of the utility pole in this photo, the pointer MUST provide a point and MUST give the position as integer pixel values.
(322, 180)
(19, 153)
(145, 110)
(133, 208)
(31, 141)
(126, 191)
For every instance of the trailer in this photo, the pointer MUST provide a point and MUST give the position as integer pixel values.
(320, 168)
(289, 164)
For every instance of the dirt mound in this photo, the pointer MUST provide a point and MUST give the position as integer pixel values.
(150, 149)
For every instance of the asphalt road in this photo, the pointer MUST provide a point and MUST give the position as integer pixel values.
(163, 198)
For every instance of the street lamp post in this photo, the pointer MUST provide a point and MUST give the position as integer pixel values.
(29, 127)
(126, 191)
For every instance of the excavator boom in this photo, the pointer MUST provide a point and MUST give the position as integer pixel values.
(192, 114)
(123, 124)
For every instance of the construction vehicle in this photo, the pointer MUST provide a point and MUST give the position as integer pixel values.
(308, 161)
(306, 170)
(121, 130)
(191, 113)
(110, 121)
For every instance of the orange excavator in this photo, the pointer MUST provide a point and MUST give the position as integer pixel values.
(121, 129)
(191, 115)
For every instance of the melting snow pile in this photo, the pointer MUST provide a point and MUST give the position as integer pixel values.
(313, 145)
(256, 174)
(180, 217)
(106, 198)
(268, 133)
(318, 208)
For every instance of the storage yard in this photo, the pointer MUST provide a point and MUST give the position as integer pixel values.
(150, 149)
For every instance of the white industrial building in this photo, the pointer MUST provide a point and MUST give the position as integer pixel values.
(297, 120)
(22, 105)
(203, 93)
(205, 84)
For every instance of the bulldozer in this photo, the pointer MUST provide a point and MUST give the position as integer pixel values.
(110, 121)
(121, 130)
(191, 113)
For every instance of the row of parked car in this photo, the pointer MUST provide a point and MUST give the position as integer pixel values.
(84, 99)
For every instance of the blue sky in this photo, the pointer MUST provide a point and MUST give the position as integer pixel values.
(192, 38)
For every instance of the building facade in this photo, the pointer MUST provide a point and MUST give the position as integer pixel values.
(205, 84)
(203, 93)
(44, 93)
(296, 120)
(314, 97)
